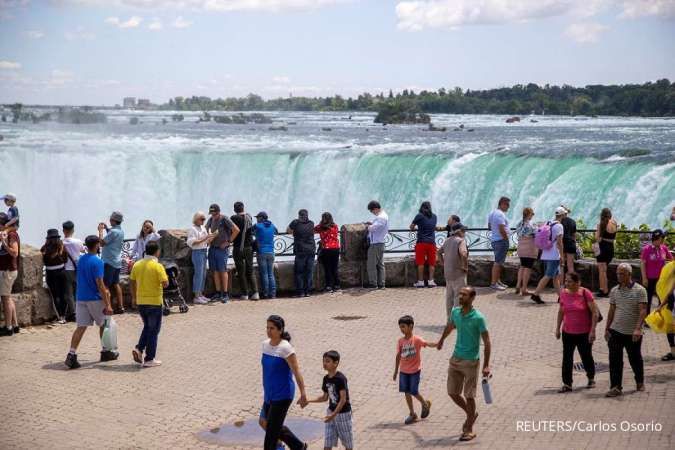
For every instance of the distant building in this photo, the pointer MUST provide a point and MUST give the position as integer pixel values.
(143, 103)
(129, 102)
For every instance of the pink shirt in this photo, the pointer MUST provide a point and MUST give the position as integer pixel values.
(410, 351)
(576, 312)
(654, 259)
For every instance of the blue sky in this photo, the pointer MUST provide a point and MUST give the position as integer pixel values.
(98, 51)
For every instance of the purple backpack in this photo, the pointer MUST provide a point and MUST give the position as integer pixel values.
(544, 237)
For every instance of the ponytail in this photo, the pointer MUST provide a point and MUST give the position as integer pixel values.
(280, 325)
(286, 335)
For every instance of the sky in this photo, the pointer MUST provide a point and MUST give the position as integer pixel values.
(98, 51)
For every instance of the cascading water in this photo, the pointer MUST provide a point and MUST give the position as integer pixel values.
(167, 172)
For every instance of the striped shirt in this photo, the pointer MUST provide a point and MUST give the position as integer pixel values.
(627, 301)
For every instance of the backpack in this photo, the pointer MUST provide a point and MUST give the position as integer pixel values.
(544, 238)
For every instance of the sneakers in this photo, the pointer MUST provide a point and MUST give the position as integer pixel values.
(426, 409)
(6, 331)
(71, 361)
(499, 282)
(152, 363)
(16, 329)
(137, 355)
(410, 419)
(614, 392)
(255, 296)
(61, 320)
(590, 384)
(564, 389)
(242, 297)
(224, 298)
(215, 297)
(497, 287)
(200, 300)
(537, 299)
(419, 284)
(640, 387)
(431, 284)
(107, 355)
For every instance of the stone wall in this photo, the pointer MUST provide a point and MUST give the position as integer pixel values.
(34, 305)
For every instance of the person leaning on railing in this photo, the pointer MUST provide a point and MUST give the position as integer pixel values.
(377, 232)
(329, 250)
(198, 239)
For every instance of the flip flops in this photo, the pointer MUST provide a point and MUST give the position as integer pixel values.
(468, 437)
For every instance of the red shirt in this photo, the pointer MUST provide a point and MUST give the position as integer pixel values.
(576, 311)
(410, 351)
(329, 237)
(8, 262)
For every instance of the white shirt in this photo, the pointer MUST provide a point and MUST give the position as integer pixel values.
(379, 229)
(74, 247)
(496, 218)
(138, 250)
(552, 254)
(195, 234)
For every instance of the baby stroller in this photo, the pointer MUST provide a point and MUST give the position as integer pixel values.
(172, 294)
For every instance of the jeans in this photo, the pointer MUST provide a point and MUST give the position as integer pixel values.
(585, 348)
(199, 274)
(304, 269)
(266, 269)
(330, 259)
(376, 274)
(152, 322)
(276, 430)
(617, 342)
(243, 261)
(56, 281)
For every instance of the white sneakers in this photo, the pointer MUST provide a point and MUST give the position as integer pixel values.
(432, 284)
(152, 363)
(498, 286)
(200, 300)
(420, 284)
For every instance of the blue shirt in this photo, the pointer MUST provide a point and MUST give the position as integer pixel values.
(278, 381)
(111, 253)
(89, 268)
(426, 228)
(469, 328)
(13, 213)
(264, 234)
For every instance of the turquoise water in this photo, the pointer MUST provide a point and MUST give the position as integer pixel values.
(167, 172)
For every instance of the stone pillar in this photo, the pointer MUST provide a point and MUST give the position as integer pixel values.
(353, 237)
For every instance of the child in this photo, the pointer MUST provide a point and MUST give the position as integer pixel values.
(339, 414)
(12, 212)
(409, 358)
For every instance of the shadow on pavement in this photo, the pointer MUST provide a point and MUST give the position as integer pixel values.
(61, 366)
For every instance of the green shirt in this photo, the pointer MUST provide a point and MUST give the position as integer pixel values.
(469, 328)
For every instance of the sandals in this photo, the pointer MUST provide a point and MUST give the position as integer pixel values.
(468, 437)
(668, 357)
(465, 425)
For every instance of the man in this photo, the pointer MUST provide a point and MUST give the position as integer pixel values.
(551, 257)
(74, 247)
(465, 361)
(9, 270)
(498, 225)
(627, 311)
(453, 219)
(304, 249)
(455, 258)
(243, 252)
(112, 256)
(219, 250)
(92, 300)
(147, 279)
(569, 240)
(377, 233)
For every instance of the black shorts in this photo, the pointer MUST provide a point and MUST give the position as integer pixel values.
(569, 247)
(528, 263)
(111, 275)
(606, 252)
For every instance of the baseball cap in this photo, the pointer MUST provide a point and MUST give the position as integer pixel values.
(91, 240)
(117, 216)
(262, 215)
(560, 211)
(214, 208)
(10, 197)
(657, 234)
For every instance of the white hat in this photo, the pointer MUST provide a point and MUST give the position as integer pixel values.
(560, 211)
(10, 197)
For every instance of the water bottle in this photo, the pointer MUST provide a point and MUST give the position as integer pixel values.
(109, 337)
(487, 391)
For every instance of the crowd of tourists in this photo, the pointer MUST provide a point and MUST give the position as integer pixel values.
(83, 278)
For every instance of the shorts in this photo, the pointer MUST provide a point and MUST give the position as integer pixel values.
(606, 252)
(340, 427)
(111, 275)
(463, 376)
(500, 249)
(527, 263)
(7, 279)
(425, 252)
(409, 382)
(218, 259)
(569, 247)
(86, 313)
(551, 268)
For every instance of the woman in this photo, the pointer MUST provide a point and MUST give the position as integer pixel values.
(425, 249)
(198, 239)
(279, 364)
(146, 235)
(329, 250)
(605, 234)
(652, 260)
(665, 290)
(264, 238)
(54, 257)
(578, 315)
(527, 252)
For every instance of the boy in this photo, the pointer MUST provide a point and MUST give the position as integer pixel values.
(408, 357)
(12, 211)
(336, 392)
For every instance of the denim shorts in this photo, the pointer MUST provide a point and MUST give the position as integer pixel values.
(218, 259)
(111, 275)
(551, 268)
(409, 382)
(500, 249)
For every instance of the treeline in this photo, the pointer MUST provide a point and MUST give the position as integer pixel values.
(648, 99)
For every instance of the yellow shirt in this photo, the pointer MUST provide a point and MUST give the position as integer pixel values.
(148, 274)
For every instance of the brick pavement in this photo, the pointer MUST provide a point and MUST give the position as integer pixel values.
(211, 376)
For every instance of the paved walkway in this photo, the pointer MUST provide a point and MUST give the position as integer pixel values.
(211, 376)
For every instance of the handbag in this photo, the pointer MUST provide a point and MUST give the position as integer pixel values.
(596, 248)
(590, 311)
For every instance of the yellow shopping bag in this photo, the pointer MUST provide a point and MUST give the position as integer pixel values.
(660, 321)
(666, 282)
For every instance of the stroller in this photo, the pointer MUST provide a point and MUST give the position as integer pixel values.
(172, 294)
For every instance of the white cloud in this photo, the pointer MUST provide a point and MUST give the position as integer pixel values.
(34, 34)
(79, 34)
(155, 25)
(9, 65)
(639, 8)
(281, 80)
(212, 5)
(181, 23)
(585, 33)
(132, 22)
